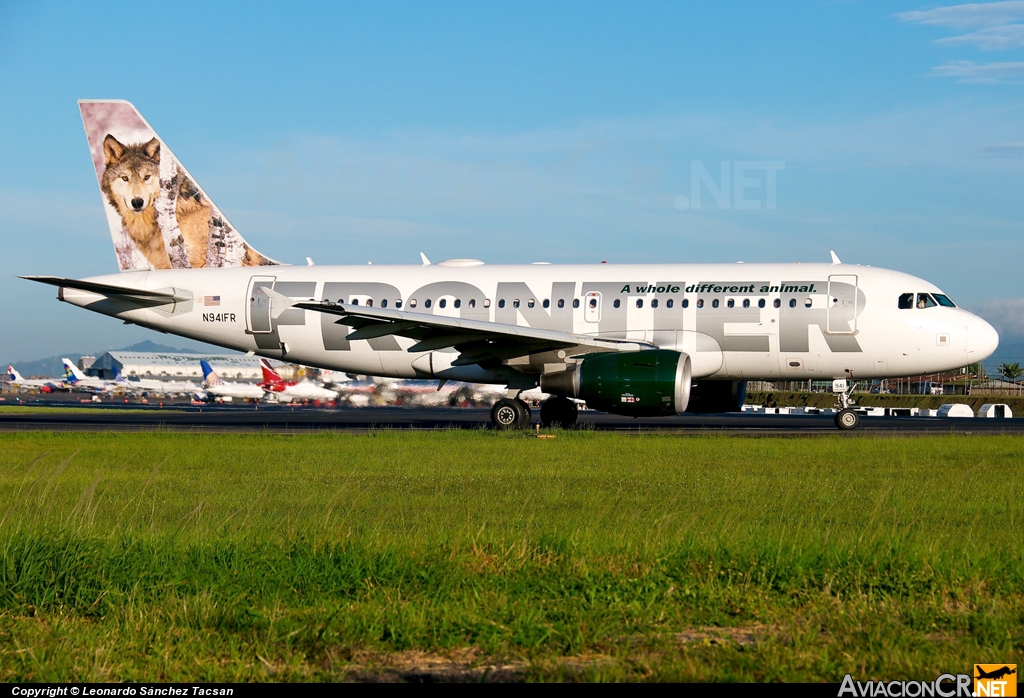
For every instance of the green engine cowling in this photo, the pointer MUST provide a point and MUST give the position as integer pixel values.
(645, 383)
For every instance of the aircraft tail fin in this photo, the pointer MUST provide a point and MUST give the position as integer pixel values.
(269, 374)
(13, 375)
(159, 217)
(71, 372)
(210, 376)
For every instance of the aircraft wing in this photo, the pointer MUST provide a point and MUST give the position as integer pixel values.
(158, 297)
(478, 341)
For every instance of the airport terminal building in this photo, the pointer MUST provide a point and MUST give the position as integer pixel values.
(181, 366)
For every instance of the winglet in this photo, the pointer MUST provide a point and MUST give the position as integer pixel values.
(835, 257)
(426, 262)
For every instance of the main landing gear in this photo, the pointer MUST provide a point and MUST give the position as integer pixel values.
(510, 414)
(515, 414)
(560, 412)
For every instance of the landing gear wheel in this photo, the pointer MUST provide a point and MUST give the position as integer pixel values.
(510, 414)
(847, 419)
(559, 412)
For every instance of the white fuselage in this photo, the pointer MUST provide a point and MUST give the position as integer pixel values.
(735, 321)
(303, 390)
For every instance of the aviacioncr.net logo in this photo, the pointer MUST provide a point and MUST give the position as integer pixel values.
(945, 686)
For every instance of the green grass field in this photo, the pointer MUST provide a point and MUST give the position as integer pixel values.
(468, 555)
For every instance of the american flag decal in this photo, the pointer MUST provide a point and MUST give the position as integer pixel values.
(211, 300)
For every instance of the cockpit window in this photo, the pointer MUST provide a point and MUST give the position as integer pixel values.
(944, 300)
(906, 301)
(925, 301)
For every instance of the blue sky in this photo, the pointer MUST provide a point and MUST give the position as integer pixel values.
(522, 132)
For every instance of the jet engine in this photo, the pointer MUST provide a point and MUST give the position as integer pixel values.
(645, 383)
(716, 397)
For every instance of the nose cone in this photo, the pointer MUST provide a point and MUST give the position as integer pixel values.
(982, 340)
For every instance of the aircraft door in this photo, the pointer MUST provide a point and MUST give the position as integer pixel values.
(842, 304)
(592, 306)
(257, 311)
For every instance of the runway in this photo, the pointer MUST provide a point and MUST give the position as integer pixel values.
(292, 420)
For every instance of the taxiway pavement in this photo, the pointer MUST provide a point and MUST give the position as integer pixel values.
(286, 419)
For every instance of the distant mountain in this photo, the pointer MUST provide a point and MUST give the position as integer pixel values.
(149, 346)
(51, 365)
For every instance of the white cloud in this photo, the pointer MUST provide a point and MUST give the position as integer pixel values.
(1005, 314)
(998, 38)
(969, 16)
(1004, 150)
(969, 71)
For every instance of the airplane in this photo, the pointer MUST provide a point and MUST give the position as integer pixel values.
(217, 388)
(46, 385)
(637, 339)
(76, 380)
(149, 385)
(286, 391)
(995, 673)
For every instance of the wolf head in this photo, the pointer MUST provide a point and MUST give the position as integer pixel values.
(131, 176)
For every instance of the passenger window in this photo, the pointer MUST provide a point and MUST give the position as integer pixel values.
(593, 302)
(807, 303)
(546, 303)
(906, 301)
(731, 303)
(458, 302)
(639, 302)
(515, 303)
(369, 301)
(777, 303)
(501, 303)
(487, 302)
(714, 303)
(654, 303)
(616, 303)
(925, 301)
(383, 302)
(746, 302)
(530, 303)
(669, 303)
(700, 302)
(686, 302)
(944, 300)
(575, 302)
(792, 302)
(355, 301)
(441, 303)
(760, 303)
(426, 303)
(561, 302)
(398, 303)
(472, 302)
(412, 303)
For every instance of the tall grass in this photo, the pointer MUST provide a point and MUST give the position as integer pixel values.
(189, 557)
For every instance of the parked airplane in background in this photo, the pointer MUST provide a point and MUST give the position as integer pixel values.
(216, 387)
(76, 380)
(630, 339)
(149, 385)
(287, 391)
(46, 385)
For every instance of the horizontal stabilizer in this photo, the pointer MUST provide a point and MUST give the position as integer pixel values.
(111, 290)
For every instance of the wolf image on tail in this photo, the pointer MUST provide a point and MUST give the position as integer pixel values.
(131, 183)
(159, 217)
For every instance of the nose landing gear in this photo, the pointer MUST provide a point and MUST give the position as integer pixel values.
(846, 417)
